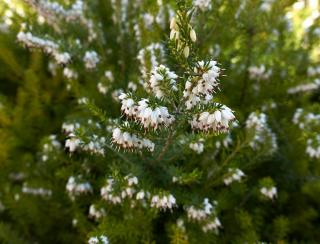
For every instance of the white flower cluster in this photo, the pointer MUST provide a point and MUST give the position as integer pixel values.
(200, 88)
(213, 225)
(269, 192)
(95, 146)
(127, 190)
(261, 133)
(305, 120)
(259, 73)
(313, 147)
(314, 71)
(198, 146)
(163, 201)
(148, 20)
(116, 192)
(98, 240)
(91, 59)
(203, 5)
(204, 215)
(266, 5)
(36, 191)
(149, 58)
(197, 214)
(309, 122)
(47, 46)
(233, 175)
(50, 146)
(305, 87)
(96, 213)
(218, 121)
(70, 73)
(72, 143)
(50, 9)
(92, 144)
(76, 186)
(161, 77)
(144, 114)
(103, 89)
(130, 141)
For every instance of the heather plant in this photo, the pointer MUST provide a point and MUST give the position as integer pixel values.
(159, 121)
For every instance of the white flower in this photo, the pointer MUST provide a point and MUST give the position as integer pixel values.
(103, 89)
(204, 5)
(76, 186)
(96, 213)
(198, 147)
(218, 121)
(69, 73)
(160, 78)
(270, 192)
(72, 143)
(163, 202)
(98, 240)
(130, 141)
(201, 87)
(140, 195)
(234, 175)
(258, 126)
(193, 35)
(259, 73)
(142, 112)
(91, 59)
(212, 225)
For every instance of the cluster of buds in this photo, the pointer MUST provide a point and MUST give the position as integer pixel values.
(234, 175)
(182, 42)
(163, 201)
(76, 186)
(47, 46)
(91, 59)
(269, 192)
(198, 146)
(144, 114)
(218, 121)
(161, 80)
(130, 141)
(200, 88)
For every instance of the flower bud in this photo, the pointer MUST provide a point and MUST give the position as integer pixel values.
(193, 35)
(173, 24)
(186, 51)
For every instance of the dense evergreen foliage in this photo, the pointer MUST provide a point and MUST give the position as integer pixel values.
(142, 121)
